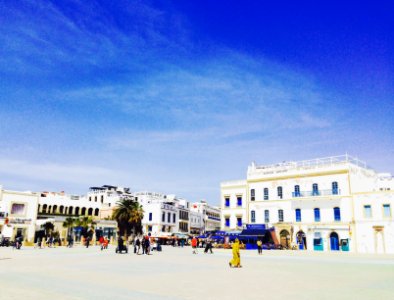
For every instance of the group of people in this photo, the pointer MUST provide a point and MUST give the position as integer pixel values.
(49, 241)
(146, 244)
(195, 244)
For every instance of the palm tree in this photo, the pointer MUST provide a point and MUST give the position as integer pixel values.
(128, 214)
(87, 223)
(69, 224)
(48, 228)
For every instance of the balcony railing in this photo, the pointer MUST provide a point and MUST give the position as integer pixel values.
(316, 193)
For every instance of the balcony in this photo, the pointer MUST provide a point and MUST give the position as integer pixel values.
(316, 193)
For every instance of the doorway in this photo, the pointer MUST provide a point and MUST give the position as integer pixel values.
(334, 241)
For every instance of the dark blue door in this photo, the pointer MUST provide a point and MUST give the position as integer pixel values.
(334, 241)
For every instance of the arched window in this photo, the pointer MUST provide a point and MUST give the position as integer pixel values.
(77, 211)
(297, 192)
(96, 212)
(337, 214)
(44, 209)
(266, 194)
(317, 214)
(298, 215)
(70, 210)
(253, 216)
(335, 190)
(90, 212)
(83, 211)
(61, 209)
(280, 215)
(49, 209)
(39, 206)
(315, 189)
(280, 192)
(54, 210)
(266, 216)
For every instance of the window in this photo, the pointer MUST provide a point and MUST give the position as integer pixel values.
(266, 195)
(280, 215)
(150, 216)
(252, 195)
(102, 199)
(315, 189)
(163, 217)
(253, 216)
(280, 192)
(227, 202)
(168, 217)
(335, 188)
(239, 221)
(298, 215)
(95, 199)
(367, 211)
(317, 214)
(149, 228)
(239, 201)
(17, 209)
(337, 214)
(90, 198)
(266, 216)
(297, 191)
(227, 222)
(386, 211)
(173, 218)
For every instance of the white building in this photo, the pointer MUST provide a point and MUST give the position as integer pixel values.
(322, 204)
(18, 214)
(161, 213)
(210, 215)
(196, 222)
(168, 214)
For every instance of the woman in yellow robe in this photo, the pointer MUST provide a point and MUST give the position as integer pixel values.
(236, 261)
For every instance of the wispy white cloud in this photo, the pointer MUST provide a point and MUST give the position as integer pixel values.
(40, 36)
(55, 172)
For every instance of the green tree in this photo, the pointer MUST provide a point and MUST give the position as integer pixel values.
(128, 214)
(69, 223)
(87, 224)
(48, 228)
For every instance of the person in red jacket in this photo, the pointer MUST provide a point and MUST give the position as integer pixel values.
(194, 245)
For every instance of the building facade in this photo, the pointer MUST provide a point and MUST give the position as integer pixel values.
(210, 215)
(18, 214)
(334, 203)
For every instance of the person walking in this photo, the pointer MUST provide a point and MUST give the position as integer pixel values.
(236, 261)
(259, 247)
(147, 245)
(194, 245)
(87, 241)
(208, 246)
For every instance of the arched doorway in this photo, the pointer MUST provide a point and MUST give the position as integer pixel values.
(90, 212)
(285, 238)
(334, 241)
(301, 240)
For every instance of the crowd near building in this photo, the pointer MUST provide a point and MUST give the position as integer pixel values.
(327, 204)
(24, 213)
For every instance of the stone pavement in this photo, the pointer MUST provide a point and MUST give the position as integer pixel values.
(176, 273)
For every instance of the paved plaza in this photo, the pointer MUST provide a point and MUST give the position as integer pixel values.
(176, 273)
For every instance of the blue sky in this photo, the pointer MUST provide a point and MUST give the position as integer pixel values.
(177, 96)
